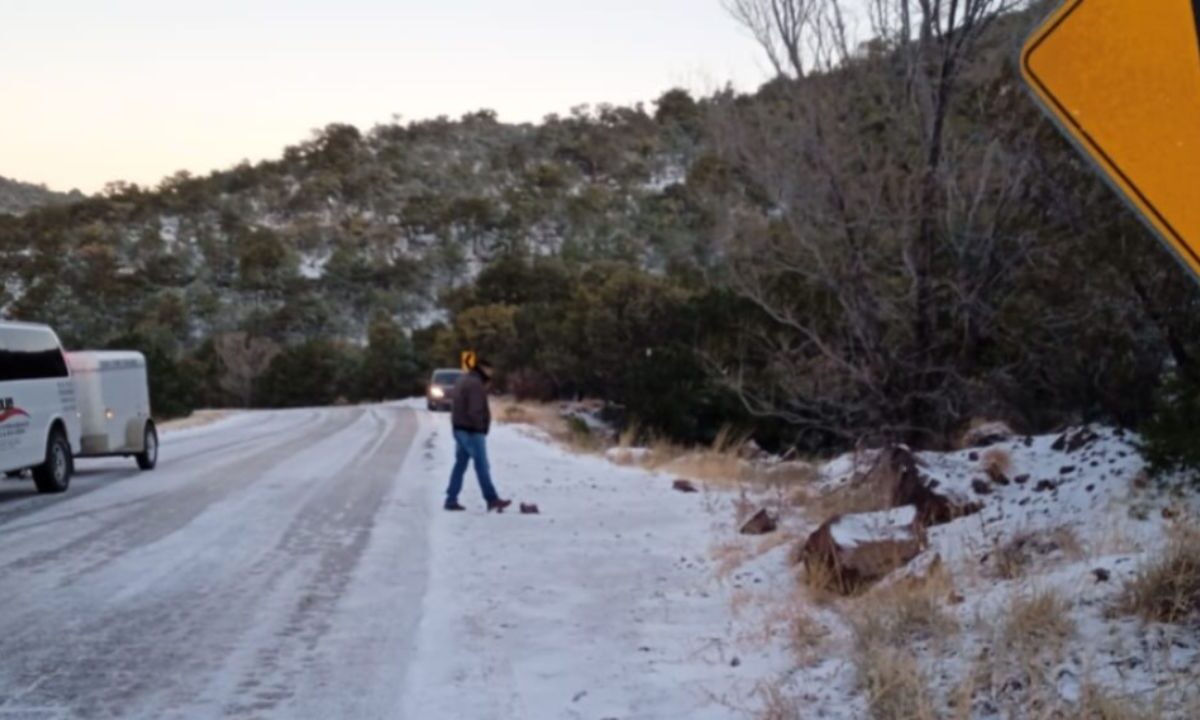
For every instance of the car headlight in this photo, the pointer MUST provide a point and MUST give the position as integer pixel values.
(437, 393)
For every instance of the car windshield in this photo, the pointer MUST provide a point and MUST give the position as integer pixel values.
(446, 378)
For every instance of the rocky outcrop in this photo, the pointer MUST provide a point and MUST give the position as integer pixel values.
(900, 475)
(1075, 440)
(851, 551)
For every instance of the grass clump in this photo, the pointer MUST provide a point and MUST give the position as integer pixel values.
(1039, 621)
(1168, 589)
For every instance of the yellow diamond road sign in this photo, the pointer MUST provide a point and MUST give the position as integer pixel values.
(1122, 78)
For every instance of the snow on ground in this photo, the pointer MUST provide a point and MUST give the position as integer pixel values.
(1074, 524)
(312, 265)
(608, 604)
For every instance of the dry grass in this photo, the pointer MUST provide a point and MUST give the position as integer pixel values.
(1095, 704)
(707, 465)
(777, 705)
(729, 556)
(1013, 559)
(887, 622)
(721, 463)
(199, 418)
(898, 615)
(805, 634)
(895, 686)
(1168, 590)
(861, 495)
(996, 463)
(1038, 622)
(569, 432)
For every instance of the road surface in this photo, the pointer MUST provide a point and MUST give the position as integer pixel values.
(273, 566)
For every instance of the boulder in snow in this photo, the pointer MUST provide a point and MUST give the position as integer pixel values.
(1075, 440)
(761, 523)
(684, 486)
(908, 487)
(850, 551)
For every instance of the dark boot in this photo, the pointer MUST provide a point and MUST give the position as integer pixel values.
(454, 507)
(498, 505)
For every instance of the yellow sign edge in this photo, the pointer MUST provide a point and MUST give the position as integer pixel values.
(1089, 148)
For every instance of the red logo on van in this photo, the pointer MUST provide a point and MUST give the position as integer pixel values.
(10, 413)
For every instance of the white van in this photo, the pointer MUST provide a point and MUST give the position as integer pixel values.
(114, 406)
(39, 418)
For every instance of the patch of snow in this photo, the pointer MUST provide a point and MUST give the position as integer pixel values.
(169, 231)
(627, 455)
(1079, 525)
(312, 265)
(854, 530)
(845, 467)
(673, 174)
(604, 605)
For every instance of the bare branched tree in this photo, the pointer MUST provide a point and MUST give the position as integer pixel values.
(880, 245)
(781, 27)
(244, 359)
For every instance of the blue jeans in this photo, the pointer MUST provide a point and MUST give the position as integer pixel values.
(470, 447)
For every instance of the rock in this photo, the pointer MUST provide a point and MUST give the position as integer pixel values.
(986, 433)
(1045, 486)
(684, 486)
(761, 523)
(1101, 574)
(530, 509)
(1169, 513)
(736, 662)
(1021, 479)
(850, 551)
(1072, 441)
(981, 487)
(1066, 470)
(997, 476)
(909, 488)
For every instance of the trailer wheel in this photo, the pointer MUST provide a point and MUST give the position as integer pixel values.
(148, 457)
(54, 475)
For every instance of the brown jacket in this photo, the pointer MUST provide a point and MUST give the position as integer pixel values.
(470, 411)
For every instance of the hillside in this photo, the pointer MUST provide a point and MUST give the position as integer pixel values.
(18, 197)
(806, 262)
(350, 222)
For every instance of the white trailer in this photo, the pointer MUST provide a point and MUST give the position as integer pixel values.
(113, 392)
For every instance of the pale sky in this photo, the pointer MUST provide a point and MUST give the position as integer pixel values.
(100, 90)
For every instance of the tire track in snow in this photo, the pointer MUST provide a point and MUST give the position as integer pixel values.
(145, 648)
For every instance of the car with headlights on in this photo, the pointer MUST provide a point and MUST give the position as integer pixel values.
(440, 395)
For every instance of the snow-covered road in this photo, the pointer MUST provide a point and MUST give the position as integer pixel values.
(297, 565)
(272, 566)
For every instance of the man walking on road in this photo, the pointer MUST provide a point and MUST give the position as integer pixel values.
(472, 419)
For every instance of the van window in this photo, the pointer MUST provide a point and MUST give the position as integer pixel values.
(30, 354)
